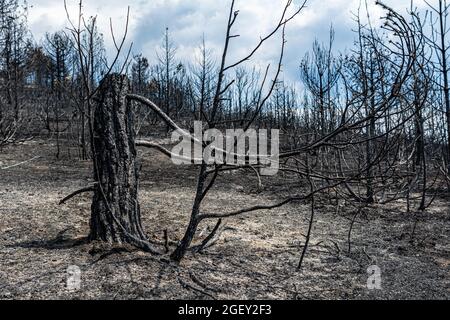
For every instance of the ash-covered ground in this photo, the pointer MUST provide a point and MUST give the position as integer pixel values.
(255, 257)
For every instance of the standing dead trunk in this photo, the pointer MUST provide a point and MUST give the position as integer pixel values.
(443, 51)
(115, 208)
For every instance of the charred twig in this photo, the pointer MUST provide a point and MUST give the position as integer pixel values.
(20, 163)
(166, 241)
(206, 243)
(349, 235)
(80, 191)
(190, 287)
(166, 152)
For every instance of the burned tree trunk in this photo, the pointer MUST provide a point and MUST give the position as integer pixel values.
(115, 215)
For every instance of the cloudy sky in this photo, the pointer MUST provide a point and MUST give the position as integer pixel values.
(190, 20)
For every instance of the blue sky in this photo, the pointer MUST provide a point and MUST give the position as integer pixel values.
(189, 20)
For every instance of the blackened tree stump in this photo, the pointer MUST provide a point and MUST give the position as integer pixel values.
(115, 212)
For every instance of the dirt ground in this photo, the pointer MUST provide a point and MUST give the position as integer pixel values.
(255, 258)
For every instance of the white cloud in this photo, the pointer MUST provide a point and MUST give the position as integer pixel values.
(189, 20)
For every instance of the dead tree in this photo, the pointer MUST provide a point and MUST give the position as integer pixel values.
(13, 52)
(116, 170)
(439, 42)
(115, 211)
(203, 186)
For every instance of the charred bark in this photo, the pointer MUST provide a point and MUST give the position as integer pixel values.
(115, 212)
